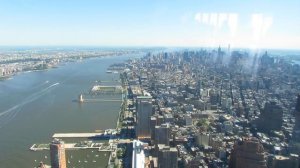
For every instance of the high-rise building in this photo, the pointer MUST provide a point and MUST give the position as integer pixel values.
(298, 104)
(248, 153)
(167, 157)
(296, 132)
(188, 120)
(162, 134)
(57, 154)
(153, 121)
(143, 112)
(160, 120)
(202, 139)
(270, 117)
(278, 161)
(138, 155)
(219, 56)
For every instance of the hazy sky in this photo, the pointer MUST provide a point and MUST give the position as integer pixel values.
(242, 23)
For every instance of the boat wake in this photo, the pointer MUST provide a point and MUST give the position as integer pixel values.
(9, 114)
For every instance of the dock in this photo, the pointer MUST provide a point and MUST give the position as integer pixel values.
(105, 89)
(101, 100)
(77, 135)
(74, 146)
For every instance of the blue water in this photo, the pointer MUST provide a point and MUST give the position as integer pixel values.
(35, 105)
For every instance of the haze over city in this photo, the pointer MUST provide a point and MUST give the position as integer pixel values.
(150, 84)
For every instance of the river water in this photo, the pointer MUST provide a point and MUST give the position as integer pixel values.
(35, 105)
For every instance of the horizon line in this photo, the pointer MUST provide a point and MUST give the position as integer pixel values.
(148, 46)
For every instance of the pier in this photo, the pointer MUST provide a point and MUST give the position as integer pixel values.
(101, 100)
(103, 89)
(101, 147)
(77, 135)
(95, 100)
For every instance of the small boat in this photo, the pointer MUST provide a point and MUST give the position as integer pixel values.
(94, 161)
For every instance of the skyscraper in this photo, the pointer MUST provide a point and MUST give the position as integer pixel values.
(167, 157)
(271, 117)
(162, 134)
(138, 155)
(298, 104)
(144, 112)
(248, 153)
(57, 154)
(296, 132)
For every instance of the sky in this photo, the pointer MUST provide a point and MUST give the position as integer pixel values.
(180, 23)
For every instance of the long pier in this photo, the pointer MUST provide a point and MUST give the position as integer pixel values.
(77, 135)
(100, 100)
(73, 146)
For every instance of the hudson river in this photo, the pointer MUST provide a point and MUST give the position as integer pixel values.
(35, 105)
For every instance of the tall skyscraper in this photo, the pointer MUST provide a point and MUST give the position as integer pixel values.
(153, 121)
(219, 56)
(296, 132)
(57, 154)
(138, 155)
(270, 117)
(162, 134)
(144, 112)
(248, 153)
(298, 104)
(167, 157)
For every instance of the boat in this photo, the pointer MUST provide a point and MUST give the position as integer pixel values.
(108, 71)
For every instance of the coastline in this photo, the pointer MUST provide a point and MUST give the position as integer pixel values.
(86, 73)
(64, 61)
